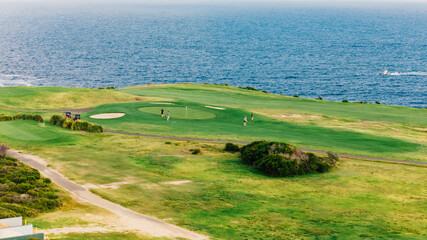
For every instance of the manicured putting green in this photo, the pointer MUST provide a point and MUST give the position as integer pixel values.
(180, 112)
(27, 130)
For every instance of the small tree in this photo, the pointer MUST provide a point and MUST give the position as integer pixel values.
(3, 150)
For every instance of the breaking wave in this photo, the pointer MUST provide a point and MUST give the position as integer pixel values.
(13, 80)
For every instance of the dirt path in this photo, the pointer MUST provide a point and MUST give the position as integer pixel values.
(73, 111)
(238, 142)
(132, 220)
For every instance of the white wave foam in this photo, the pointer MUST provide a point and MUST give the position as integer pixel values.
(11, 80)
(408, 74)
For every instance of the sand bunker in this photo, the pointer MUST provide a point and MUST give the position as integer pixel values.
(107, 115)
(219, 108)
(161, 103)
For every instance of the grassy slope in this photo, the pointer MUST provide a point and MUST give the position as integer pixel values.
(249, 100)
(58, 98)
(229, 200)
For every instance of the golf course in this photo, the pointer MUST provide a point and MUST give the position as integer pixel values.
(144, 162)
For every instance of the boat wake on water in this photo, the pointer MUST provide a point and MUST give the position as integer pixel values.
(403, 73)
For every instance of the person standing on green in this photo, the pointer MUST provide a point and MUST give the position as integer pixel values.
(168, 116)
(252, 117)
(244, 121)
(162, 111)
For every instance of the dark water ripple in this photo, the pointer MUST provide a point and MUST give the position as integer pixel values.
(333, 53)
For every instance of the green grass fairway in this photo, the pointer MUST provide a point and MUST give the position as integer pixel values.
(31, 133)
(251, 101)
(228, 125)
(179, 112)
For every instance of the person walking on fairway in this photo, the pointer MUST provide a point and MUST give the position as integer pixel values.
(244, 121)
(168, 116)
(162, 111)
(252, 117)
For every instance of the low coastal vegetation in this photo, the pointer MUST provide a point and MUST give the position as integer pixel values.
(109, 87)
(22, 116)
(278, 159)
(22, 191)
(80, 125)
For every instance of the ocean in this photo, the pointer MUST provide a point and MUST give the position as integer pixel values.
(333, 52)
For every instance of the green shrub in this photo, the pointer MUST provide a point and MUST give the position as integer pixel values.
(295, 95)
(231, 147)
(54, 119)
(251, 88)
(80, 125)
(257, 150)
(47, 180)
(22, 116)
(196, 151)
(23, 192)
(67, 123)
(6, 117)
(61, 121)
(28, 116)
(345, 101)
(280, 159)
(94, 128)
(110, 87)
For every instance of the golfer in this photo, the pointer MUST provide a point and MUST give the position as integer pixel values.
(168, 116)
(252, 117)
(162, 111)
(244, 121)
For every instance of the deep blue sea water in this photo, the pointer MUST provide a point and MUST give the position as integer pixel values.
(336, 53)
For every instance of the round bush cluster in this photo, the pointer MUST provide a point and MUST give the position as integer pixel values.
(279, 159)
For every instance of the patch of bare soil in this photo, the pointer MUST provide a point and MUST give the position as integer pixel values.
(177, 182)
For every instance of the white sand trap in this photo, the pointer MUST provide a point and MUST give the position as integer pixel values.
(108, 115)
(177, 182)
(161, 103)
(219, 108)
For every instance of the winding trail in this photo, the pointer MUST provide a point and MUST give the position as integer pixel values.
(132, 220)
(238, 142)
